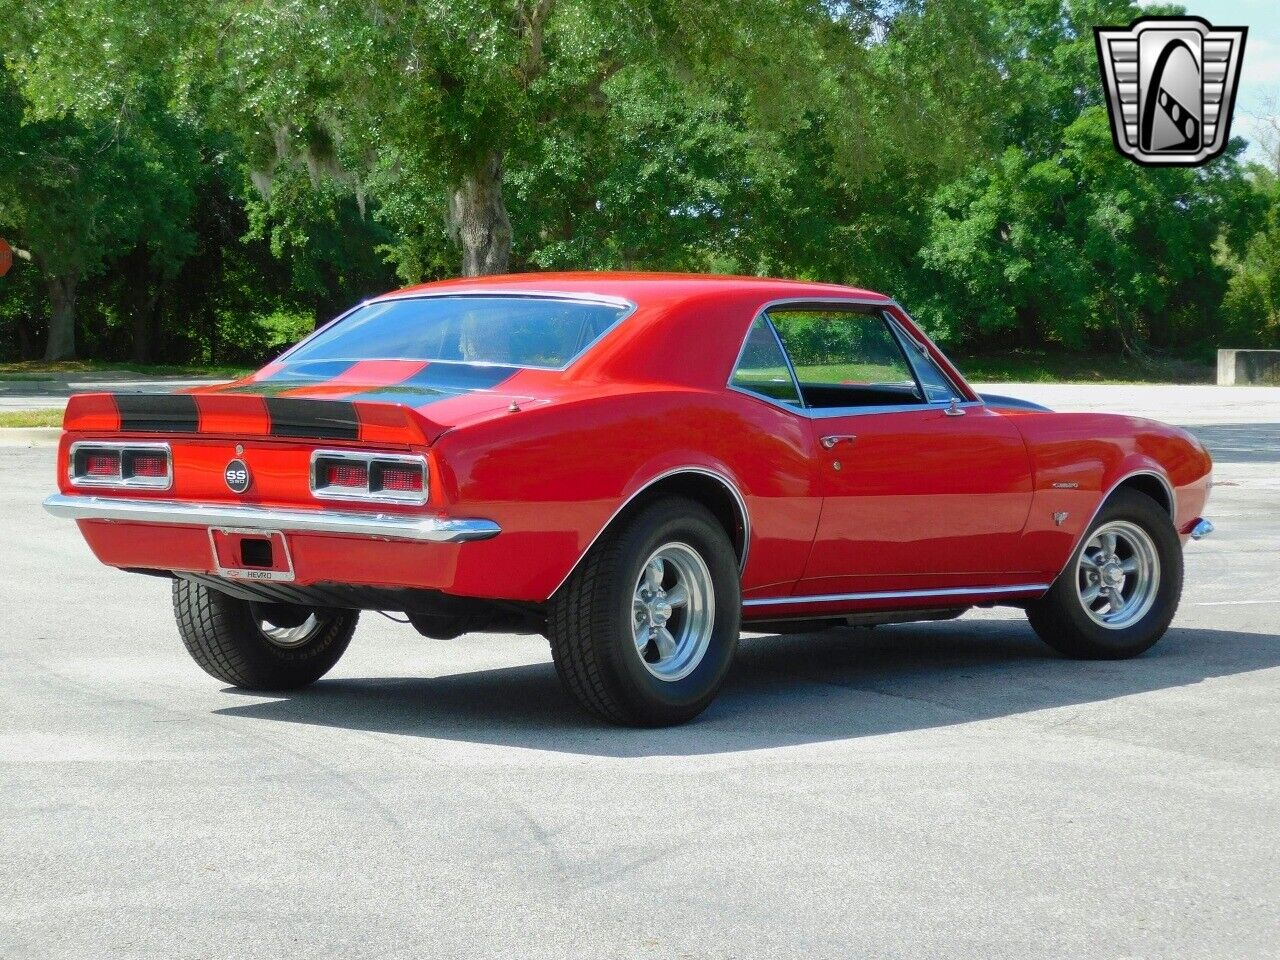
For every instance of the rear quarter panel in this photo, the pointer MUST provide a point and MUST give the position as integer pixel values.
(1078, 458)
(552, 476)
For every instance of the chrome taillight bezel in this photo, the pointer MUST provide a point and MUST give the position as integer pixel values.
(122, 479)
(369, 493)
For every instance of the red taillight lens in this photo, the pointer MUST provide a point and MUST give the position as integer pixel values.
(150, 465)
(102, 464)
(348, 475)
(407, 479)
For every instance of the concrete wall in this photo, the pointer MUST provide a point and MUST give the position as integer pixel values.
(1248, 366)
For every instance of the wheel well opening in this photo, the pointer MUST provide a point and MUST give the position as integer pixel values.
(1152, 486)
(706, 490)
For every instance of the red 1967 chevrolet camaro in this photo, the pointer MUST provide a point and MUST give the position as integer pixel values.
(636, 466)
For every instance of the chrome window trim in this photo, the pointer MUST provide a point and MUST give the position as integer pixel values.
(172, 513)
(898, 595)
(822, 413)
(732, 487)
(122, 482)
(1102, 502)
(368, 458)
(628, 308)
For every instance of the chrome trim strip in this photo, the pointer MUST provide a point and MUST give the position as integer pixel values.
(121, 482)
(383, 525)
(628, 308)
(1202, 529)
(368, 458)
(1102, 502)
(823, 413)
(729, 485)
(898, 595)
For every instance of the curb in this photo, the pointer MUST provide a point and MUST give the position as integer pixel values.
(29, 436)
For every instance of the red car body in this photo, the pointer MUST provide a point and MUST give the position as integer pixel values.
(928, 510)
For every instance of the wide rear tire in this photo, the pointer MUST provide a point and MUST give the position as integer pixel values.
(1141, 561)
(644, 630)
(233, 640)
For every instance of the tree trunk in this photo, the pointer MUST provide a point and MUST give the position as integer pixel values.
(478, 220)
(62, 317)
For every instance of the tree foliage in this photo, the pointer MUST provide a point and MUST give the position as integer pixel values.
(206, 181)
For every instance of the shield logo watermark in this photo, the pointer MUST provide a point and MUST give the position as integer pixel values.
(1171, 86)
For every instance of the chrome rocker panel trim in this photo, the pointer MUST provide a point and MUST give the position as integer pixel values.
(381, 525)
(898, 595)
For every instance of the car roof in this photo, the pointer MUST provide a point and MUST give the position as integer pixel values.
(643, 288)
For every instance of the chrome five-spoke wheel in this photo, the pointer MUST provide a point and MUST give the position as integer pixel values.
(673, 611)
(290, 636)
(1118, 574)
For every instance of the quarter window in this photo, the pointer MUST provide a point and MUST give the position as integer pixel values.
(762, 368)
(846, 359)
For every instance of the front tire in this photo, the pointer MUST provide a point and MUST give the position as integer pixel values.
(644, 630)
(1121, 589)
(259, 646)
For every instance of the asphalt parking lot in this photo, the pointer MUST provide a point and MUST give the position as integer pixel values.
(943, 790)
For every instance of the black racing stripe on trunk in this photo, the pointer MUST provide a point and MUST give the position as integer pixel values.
(158, 412)
(319, 419)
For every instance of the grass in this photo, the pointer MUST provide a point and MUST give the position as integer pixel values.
(41, 370)
(31, 418)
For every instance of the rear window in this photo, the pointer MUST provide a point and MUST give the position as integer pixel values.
(519, 331)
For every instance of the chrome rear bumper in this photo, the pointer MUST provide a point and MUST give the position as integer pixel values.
(1201, 529)
(387, 526)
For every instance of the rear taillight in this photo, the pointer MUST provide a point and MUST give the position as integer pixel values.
(146, 465)
(347, 475)
(402, 479)
(370, 477)
(102, 464)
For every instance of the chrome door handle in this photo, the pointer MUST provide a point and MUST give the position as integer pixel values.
(831, 441)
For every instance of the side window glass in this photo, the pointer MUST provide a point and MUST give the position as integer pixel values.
(762, 368)
(937, 387)
(846, 359)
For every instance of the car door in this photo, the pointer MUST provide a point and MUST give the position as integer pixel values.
(923, 486)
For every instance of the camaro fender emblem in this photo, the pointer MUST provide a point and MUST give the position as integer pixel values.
(1171, 86)
(1060, 518)
(237, 476)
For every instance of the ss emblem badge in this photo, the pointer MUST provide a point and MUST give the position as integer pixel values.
(237, 476)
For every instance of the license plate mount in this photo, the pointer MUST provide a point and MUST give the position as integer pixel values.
(244, 554)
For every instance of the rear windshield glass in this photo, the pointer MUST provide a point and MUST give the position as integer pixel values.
(521, 331)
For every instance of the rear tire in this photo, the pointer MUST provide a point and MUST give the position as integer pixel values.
(233, 640)
(1119, 607)
(644, 630)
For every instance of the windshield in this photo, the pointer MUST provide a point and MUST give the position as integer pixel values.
(516, 331)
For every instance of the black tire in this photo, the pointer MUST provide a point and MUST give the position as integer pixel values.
(1060, 617)
(589, 622)
(222, 635)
